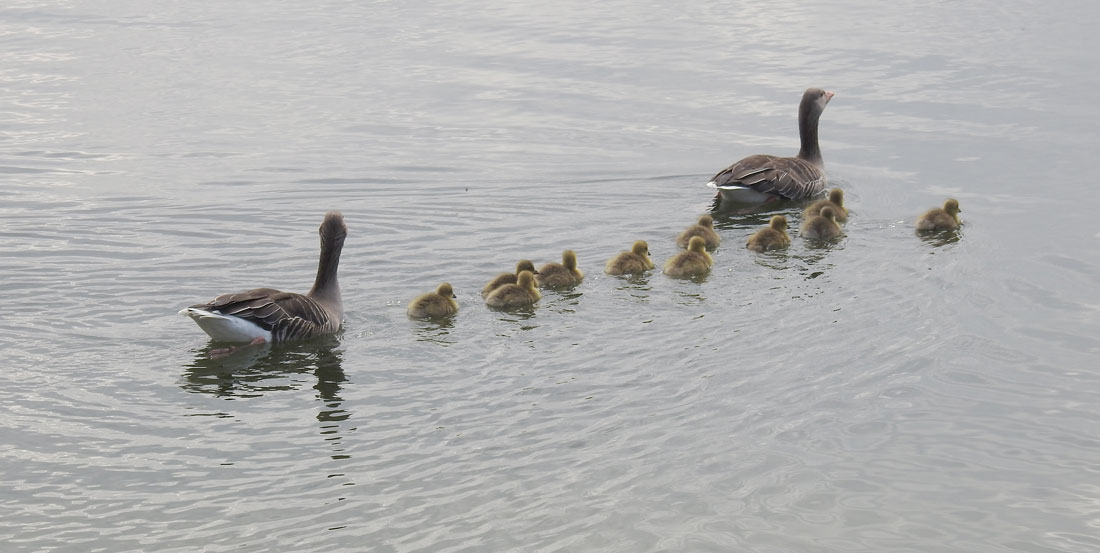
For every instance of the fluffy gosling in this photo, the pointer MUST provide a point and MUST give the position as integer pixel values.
(821, 227)
(835, 201)
(508, 278)
(772, 237)
(434, 305)
(704, 229)
(560, 275)
(695, 261)
(522, 293)
(940, 219)
(634, 262)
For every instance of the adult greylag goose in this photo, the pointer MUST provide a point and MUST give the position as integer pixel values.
(772, 237)
(508, 278)
(634, 262)
(520, 294)
(434, 305)
(695, 261)
(835, 201)
(761, 178)
(560, 275)
(268, 315)
(940, 219)
(704, 228)
(822, 226)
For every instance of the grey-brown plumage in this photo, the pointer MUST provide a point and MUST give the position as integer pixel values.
(508, 278)
(694, 261)
(704, 229)
(434, 305)
(946, 218)
(520, 294)
(767, 177)
(560, 275)
(634, 262)
(282, 316)
(822, 226)
(835, 201)
(772, 237)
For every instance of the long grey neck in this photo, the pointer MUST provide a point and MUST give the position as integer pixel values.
(325, 288)
(807, 132)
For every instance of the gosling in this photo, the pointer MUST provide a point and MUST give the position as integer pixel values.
(772, 237)
(434, 305)
(520, 294)
(695, 261)
(821, 227)
(835, 201)
(941, 219)
(560, 275)
(704, 228)
(508, 278)
(634, 262)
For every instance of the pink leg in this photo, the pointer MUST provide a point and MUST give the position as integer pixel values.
(226, 352)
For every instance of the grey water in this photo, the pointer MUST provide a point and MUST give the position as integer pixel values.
(888, 393)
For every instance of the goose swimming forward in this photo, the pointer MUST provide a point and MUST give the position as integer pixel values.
(946, 218)
(267, 315)
(763, 178)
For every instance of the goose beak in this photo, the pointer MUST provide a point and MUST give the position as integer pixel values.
(828, 96)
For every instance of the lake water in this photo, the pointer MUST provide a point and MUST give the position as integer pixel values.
(885, 394)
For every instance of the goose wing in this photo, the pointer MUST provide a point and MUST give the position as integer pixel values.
(789, 177)
(288, 316)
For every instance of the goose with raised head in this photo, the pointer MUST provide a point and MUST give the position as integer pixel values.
(835, 201)
(560, 275)
(762, 178)
(694, 261)
(946, 218)
(704, 229)
(268, 315)
(633, 262)
(822, 226)
(772, 237)
(508, 278)
(520, 294)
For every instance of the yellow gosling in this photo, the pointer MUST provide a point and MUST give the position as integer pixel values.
(695, 261)
(941, 219)
(704, 229)
(835, 201)
(634, 262)
(560, 275)
(522, 293)
(508, 278)
(434, 305)
(772, 237)
(821, 227)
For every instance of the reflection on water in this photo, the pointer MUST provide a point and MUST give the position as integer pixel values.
(252, 371)
(436, 331)
(940, 238)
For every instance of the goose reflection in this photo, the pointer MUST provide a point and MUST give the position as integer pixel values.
(257, 371)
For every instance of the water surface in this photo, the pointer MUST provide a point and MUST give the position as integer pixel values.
(887, 393)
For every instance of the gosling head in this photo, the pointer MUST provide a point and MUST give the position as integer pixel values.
(697, 244)
(526, 279)
(525, 265)
(828, 213)
(951, 206)
(706, 221)
(569, 259)
(836, 196)
(778, 222)
(640, 248)
(445, 290)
